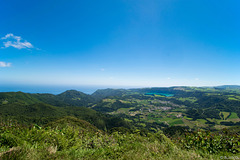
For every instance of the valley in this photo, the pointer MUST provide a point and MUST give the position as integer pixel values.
(206, 108)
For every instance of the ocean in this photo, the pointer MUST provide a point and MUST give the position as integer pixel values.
(50, 89)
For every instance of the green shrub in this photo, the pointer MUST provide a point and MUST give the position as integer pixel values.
(210, 142)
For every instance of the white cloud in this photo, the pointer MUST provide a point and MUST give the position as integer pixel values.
(4, 64)
(15, 41)
(10, 35)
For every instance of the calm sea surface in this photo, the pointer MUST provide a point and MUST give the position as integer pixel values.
(50, 89)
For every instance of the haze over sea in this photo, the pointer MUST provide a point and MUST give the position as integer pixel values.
(53, 89)
(47, 88)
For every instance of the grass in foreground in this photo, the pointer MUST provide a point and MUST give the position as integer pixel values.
(79, 142)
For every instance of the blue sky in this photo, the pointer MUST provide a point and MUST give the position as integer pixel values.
(120, 43)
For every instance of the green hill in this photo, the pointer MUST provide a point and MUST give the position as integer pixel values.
(67, 98)
(228, 87)
(103, 93)
(17, 97)
(42, 108)
(75, 98)
(74, 122)
(30, 110)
